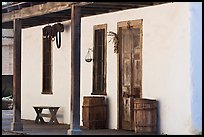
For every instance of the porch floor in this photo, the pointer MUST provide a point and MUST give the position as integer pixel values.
(31, 128)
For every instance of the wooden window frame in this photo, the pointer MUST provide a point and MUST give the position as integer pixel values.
(49, 42)
(95, 54)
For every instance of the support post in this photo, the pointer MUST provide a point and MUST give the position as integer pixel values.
(75, 70)
(16, 125)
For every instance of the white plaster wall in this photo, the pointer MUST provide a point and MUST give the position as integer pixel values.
(165, 74)
(166, 64)
(196, 66)
(32, 74)
(86, 68)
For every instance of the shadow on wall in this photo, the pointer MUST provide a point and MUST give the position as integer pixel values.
(60, 115)
(107, 112)
(67, 26)
(158, 118)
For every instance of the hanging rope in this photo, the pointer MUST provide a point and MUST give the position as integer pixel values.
(58, 44)
(57, 29)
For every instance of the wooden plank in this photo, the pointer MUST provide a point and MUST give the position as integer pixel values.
(122, 5)
(87, 11)
(38, 10)
(17, 125)
(15, 4)
(119, 64)
(45, 115)
(46, 107)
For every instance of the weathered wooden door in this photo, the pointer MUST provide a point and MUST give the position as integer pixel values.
(130, 39)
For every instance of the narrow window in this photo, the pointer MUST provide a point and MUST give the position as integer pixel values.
(47, 65)
(99, 60)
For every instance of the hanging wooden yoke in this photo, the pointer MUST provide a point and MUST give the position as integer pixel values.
(53, 31)
(47, 31)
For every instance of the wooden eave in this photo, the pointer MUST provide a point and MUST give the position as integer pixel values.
(41, 13)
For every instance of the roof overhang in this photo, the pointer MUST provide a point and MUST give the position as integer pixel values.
(41, 13)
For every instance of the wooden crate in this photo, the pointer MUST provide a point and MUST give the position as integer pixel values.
(94, 112)
(145, 115)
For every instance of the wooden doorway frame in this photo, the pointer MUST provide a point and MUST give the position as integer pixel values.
(138, 24)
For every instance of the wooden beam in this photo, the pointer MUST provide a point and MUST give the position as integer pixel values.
(115, 6)
(75, 70)
(123, 4)
(50, 7)
(16, 124)
(157, 3)
(37, 10)
(66, 15)
(100, 8)
(92, 11)
(33, 22)
(15, 4)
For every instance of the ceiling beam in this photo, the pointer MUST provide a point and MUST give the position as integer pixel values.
(126, 4)
(38, 10)
(38, 13)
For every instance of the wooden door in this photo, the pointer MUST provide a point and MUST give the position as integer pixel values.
(130, 70)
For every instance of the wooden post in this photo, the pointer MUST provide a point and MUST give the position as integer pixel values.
(75, 70)
(16, 125)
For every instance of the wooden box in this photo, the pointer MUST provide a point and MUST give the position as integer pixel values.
(94, 112)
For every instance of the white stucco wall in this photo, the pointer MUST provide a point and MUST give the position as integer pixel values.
(166, 72)
(32, 74)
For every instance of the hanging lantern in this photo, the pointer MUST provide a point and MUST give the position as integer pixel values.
(88, 57)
